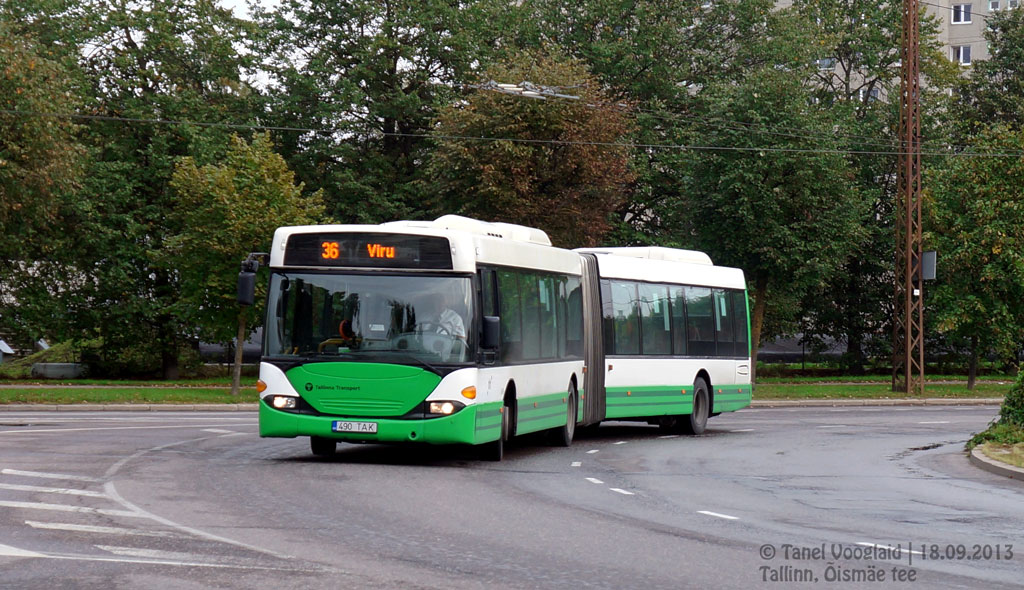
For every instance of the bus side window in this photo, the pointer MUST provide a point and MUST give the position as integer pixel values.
(625, 307)
(574, 325)
(700, 321)
(678, 303)
(724, 328)
(739, 310)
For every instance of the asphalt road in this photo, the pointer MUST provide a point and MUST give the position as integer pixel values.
(795, 497)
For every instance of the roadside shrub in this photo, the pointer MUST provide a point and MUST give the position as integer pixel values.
(1012, 411)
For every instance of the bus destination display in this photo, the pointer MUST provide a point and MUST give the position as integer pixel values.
(368, 250)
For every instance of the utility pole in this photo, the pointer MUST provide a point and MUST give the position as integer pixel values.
(908, 304)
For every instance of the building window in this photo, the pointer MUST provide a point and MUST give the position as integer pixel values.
(993, 5)
(864, 95)
(1012, 3)
(961, 14)
(962, 54)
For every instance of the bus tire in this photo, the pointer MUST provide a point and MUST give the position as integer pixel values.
(562, 436)
(322, 447)
(495, 450)
(697, 422)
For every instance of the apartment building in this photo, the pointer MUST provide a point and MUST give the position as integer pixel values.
(962, 25)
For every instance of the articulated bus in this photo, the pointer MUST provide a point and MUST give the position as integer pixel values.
(462, 331)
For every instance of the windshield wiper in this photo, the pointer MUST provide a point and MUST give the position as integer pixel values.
(415, 360)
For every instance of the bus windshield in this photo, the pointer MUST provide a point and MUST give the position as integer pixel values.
(373, 318)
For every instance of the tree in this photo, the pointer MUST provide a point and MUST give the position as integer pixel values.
(225, 211)
(994, 90)
(978, 228)
(856, 84)
(174, 60)
(367, 78)
(558, 164)
(768, 194)
(39, 156)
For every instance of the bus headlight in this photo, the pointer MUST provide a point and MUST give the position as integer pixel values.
(283, 402)
(444, 408)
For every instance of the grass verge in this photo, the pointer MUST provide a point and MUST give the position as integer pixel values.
(1011, 454)
(125, 395)
(801, 391)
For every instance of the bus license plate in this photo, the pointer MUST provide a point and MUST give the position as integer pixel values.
(360, 427)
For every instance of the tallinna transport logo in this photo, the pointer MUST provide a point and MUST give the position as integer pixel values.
(309, 387)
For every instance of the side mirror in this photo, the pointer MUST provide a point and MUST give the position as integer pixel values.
(492, 332)
(246, 287)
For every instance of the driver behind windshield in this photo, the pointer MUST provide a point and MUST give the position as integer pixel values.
(442, 318)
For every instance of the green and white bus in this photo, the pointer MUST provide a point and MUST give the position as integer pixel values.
(462, 331)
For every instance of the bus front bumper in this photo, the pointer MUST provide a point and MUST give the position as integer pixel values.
(474, 424)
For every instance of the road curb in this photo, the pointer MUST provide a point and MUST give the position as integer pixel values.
(978, 459)
(834, 403)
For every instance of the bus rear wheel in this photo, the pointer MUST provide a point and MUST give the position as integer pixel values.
(697, 421)
(562, 436)
(322, 447)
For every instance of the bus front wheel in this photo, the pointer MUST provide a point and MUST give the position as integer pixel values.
(322, 447)
(495, 451)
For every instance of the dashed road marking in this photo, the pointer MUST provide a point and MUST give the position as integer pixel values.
(886, 547)
(592, 451)
(45, 490)
(576, 464)
(218, 431)
(669, 436)
(621, 442)
(43, 475)
(594, 480)
(65, 508)
(743, 430)
(718, 515)
(102, 530)
(622, 491)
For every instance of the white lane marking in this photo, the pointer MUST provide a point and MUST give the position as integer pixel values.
(743, 430)
(576, 464)
(718, 515)
(149, 553)
(833, 426)
(45, 430)
(66, 508)
(218, 431)
(233, 434)
(887, 547)
(594, 480)
(936, 422)
(621, 491)
(591, 452)
(43, 475)
(669, 436)
(8, 551)
(621, 442)
(44, 490)
(103, 530)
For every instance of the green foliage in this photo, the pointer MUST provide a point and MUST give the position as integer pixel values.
(223, 212)
(994, 90)
(978, 227)
(560, 170)
(372, 76)
(999, 433)
(1012, 410)
(39, 157)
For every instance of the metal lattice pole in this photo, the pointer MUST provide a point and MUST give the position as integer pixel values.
(908, 304)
